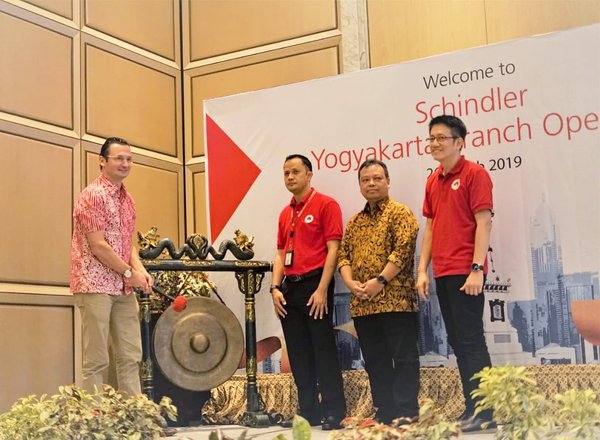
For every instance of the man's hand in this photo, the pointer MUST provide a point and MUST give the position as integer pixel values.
(279, 303)
(474, 284)
(372, 288)
(318, 304)
(357, 289)
(141, 280)
(422, 285)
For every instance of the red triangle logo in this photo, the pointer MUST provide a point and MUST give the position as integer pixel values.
(230, 175)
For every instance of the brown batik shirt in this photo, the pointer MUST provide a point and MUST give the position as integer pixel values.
(389, 233)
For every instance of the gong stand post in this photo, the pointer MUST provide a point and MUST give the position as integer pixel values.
(146, 367)
(249, 283)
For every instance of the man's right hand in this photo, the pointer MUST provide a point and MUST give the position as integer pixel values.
(139, 281)
(279, 303)
(422, 285)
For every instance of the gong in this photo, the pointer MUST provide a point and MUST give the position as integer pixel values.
(200, 347)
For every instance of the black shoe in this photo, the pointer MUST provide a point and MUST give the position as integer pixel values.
(383, 418)
(331, 422)
(290, 422)
(467, 415)
(477, 424)
(287, 423)
(405, 420)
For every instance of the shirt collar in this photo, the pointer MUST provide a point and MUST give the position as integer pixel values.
(109, 186)
(304, 199)
(457, 168)
(380, 206)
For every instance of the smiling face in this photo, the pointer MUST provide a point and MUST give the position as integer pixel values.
(374, 185)
(296, 177)
(446, 151)
(117, 165)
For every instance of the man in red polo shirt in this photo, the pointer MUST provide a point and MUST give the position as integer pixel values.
(458, 207)
(308, 237)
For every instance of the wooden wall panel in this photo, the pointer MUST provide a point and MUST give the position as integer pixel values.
(36, 200)
(152, 25)
(508, 19)
(401, 30)
(64, 8)
(296, 68)
(219, 27)
(130, 99)
(37, 346)
(156, 194)
(38, 61)
(199, 204)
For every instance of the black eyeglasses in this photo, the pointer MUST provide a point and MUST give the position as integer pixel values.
(440, 139)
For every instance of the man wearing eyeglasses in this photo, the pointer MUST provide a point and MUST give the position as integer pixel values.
(104, 268)
(458, 206)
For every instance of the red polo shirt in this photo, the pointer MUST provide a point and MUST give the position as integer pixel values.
(451, 201)
(315, 220)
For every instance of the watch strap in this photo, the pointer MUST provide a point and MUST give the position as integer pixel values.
(381, 279)
(476, 267)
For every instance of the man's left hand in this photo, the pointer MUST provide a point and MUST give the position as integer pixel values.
(474, 284)
(372, 288)
(318, 304)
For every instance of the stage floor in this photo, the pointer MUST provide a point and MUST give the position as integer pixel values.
(234, 431)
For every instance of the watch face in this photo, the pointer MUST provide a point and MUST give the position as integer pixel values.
(476, 267)
(127, 273)
(382, 280)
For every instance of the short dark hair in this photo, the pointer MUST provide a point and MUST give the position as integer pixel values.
(305, 160)
(108, 142)
(371, 162)
(456, 125)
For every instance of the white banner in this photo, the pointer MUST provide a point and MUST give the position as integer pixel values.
(532, 110)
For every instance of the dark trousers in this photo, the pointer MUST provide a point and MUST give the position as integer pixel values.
(463, 317)
(312, 352)
(388, 342)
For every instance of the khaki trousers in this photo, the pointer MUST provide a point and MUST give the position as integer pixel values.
(114, 316)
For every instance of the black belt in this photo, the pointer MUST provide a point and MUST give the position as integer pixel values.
(297, 278)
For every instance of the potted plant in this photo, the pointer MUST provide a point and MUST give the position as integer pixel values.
(525, 413)
(74, 414)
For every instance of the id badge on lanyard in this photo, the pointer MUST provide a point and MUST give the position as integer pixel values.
(289, 253)
(289, 258)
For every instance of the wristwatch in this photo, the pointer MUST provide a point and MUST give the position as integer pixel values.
(127, 274)
(273, 287)
(476, 267)
(381, 280)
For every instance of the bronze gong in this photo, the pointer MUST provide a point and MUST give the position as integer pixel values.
(200, 347)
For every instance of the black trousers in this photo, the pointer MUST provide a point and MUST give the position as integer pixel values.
(312, 352)
(388, 342)
(463, 317)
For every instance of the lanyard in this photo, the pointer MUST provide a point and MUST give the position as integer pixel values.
(297, 216)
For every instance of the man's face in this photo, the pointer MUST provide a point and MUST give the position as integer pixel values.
(117, 165)
(296, 176)
(447, 149)
(374, 186)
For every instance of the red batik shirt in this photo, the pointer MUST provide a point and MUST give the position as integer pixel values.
(102, 206)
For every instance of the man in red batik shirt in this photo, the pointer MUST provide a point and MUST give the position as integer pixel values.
(104, 268)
